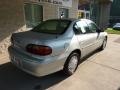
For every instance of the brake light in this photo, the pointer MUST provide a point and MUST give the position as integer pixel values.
(39, 49)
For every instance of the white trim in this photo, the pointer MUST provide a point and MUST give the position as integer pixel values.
(67, 3)
(58, 10)
(33, 2)
(24, 15)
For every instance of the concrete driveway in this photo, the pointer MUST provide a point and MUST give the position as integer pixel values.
(100, 71)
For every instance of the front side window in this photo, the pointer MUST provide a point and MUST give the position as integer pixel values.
(81, 27)
(52, 26)
(92, 27)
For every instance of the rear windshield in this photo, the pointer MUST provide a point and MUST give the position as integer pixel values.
(52, 26)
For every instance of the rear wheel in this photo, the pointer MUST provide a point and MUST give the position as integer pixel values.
(71, 64)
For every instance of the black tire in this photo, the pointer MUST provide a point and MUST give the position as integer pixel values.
(103, 44)
(67, 66)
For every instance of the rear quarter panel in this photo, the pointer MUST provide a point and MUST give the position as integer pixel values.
(63, 46)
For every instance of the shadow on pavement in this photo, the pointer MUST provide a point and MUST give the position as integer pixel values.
(90, 55)
(12, 78)
(119, 88)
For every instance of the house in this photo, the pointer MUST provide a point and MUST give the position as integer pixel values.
(96, 10)
(19, 15)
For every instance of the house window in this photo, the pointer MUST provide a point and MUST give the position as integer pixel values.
(33, 14)
(87, 15)
(63, 13)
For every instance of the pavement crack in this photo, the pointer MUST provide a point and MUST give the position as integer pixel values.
(105, 66)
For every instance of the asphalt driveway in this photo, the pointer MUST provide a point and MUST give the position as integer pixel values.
(100, 71)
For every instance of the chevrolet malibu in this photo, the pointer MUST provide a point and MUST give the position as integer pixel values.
(56, 44)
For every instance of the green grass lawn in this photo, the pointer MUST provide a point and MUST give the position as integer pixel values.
(111, 31)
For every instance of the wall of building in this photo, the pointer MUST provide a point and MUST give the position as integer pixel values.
(50, 11)
(104, 15)
(11, 20)
(114, 13)
(73, 11)
(101, 13)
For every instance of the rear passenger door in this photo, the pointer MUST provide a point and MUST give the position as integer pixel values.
(85, 37)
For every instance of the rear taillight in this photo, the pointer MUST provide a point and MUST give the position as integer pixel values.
(39, 49)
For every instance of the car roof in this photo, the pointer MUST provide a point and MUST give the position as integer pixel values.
(117, 24)
(71, 19)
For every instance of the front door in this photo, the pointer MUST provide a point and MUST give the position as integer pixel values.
(93, 29)
(85, 37)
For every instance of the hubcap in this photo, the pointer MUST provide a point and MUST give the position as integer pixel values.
(73, 64)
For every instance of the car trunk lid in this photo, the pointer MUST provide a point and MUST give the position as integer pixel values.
(21, 40)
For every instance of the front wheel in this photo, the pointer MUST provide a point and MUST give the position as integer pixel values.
(103, 44)
(71, 64)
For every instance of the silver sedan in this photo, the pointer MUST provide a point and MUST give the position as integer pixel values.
(56, 44)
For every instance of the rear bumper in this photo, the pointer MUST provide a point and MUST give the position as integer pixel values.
(35, 67)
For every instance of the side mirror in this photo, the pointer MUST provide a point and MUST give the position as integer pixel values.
(99, 30)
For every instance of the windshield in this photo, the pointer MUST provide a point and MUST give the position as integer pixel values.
(52, 26)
